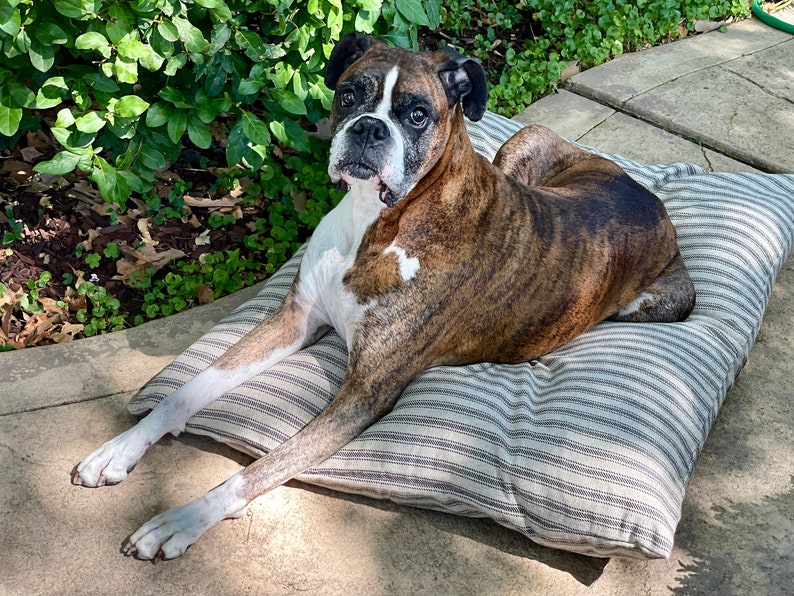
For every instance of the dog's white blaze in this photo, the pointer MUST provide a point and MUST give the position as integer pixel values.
(384, 107)
(408, 266)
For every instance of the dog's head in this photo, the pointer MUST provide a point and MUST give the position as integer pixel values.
(393, 109)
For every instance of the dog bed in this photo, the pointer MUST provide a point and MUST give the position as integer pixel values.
(589, 448)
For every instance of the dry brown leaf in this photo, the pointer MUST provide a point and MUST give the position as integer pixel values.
(143, 228)
(30, 154)
(205, 294)
(51, 306)
(73, 300)
(706, 26)
(67, 332)
(40, 140)
(5, 321)
(38, 326)
(203, 239)
(93, 234)
(299, 200)
(19, 172)
(144, 258)
(572, 68)
(208, 202)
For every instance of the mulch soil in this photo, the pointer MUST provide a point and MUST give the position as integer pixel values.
(60, 213)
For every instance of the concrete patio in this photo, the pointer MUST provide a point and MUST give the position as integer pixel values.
(721, 100)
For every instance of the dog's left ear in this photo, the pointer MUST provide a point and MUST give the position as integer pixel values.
(464, 81)
(347, 50)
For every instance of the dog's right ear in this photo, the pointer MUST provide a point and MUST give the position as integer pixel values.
(346, 51)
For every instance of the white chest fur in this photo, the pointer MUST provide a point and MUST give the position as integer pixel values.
(331, 252)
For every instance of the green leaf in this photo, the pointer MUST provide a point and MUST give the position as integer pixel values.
(255, 48)
(111, 251)
(158, 114)
(197, 132)
(151, 60)
(9, 120)
(90, 123)
(248, 87)
(413, 12)
(10, 19)
(177, 125)
(251, 43)
(61, 134)
(51, 93)
(174, 96)
(82, 10)
(120, 25)
(290, 102)
(22, 96)
(290, 134)
(191, 36)
(80, 96)
(50, 34)
(206, 107)
(64, 119)
(132, 48)
(42, 57)
(130, 106)
(433, 14)
(125, 70)
(174, 64)
(168, 30)
(209, 3)
(113, 187)
(62, 163)
(93, 41)
(100, 82)
(236, 145)
(151, 158)
(255, 129)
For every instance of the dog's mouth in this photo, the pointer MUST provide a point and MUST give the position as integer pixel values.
(365, 172)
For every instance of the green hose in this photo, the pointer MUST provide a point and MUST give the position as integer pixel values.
(770, 20)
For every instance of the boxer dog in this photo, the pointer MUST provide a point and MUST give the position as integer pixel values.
(434, 257)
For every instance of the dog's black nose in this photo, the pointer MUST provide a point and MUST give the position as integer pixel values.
(371, 129)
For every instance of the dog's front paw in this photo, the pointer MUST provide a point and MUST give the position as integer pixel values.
(167, 535)
(111, 463)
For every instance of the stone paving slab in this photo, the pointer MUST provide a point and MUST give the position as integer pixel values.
(591, 123)
(732, 92)
(636, 73)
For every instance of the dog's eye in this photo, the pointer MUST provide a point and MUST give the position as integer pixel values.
(418, 117)
(347, 98)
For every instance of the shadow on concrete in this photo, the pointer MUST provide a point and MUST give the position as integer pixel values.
(450, 533)
(764, 562)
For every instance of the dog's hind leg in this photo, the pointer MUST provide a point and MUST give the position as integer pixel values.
(285, 332)
(535, 155)
(669, 298)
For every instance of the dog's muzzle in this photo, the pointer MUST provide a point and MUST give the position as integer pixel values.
(369, 143)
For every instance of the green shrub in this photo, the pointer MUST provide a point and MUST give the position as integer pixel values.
(123, 85)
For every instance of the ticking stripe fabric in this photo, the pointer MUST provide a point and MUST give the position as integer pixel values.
(588, 449)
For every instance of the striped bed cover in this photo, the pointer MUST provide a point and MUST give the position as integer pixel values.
(588, 449)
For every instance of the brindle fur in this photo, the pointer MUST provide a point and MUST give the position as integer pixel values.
(516, 258)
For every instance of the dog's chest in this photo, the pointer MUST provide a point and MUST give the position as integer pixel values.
(331, 252)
